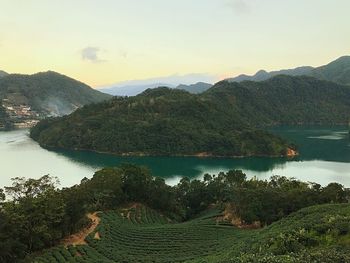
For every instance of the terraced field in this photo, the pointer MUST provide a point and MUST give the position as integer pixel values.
(140, 234)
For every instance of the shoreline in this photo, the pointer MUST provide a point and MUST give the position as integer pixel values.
(291, 153)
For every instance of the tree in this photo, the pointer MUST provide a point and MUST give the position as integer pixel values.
(37, 211)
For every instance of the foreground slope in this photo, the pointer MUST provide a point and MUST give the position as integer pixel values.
(139, 234)
(314, 234)
(216, 219)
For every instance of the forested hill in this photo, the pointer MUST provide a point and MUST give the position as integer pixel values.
(159, 121)
(48, 93)
(284, 100)
(218, 122)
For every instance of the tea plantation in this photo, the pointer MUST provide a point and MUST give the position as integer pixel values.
(140, 234)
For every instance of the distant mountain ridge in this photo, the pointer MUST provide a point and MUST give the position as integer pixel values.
(137, 86)
(132, 90)
(196, 88)
(337, 71)
(262, 75)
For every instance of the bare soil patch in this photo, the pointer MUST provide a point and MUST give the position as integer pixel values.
(79, 238)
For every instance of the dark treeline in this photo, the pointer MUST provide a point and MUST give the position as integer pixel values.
(35, 214)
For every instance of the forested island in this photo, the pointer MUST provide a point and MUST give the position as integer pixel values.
(226, 120)
(137, 217)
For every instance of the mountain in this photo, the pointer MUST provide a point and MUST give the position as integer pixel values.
(199, 87)
(131, 90)
(221, 121)
(48, 93)
(262, 75)
(25, 99)
(3, 73)
(337, 71)
(135, 87)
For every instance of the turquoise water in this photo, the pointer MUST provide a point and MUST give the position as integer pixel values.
(324, 157)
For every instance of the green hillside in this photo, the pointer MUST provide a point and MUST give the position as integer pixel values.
(311, 235)
(139, 234)
(142, 235)
(285, 100)
(221, 121)
(48, 93)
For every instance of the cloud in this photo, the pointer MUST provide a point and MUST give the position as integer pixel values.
(91, 54)
(240, 7)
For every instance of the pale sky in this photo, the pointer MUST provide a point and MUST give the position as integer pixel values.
(105, 41)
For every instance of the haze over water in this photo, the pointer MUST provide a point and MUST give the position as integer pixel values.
(324, 158)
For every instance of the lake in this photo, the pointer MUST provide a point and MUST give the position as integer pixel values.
(324, 158)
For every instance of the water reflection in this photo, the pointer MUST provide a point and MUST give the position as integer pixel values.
(325, 144)
(172, 166)
(324, 157)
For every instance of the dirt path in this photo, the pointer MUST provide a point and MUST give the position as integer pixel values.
(79, 238)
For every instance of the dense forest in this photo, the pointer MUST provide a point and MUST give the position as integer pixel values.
(285, 100)
(35, 214)
(222, 121)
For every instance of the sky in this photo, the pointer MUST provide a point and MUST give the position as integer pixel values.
(101, 42)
